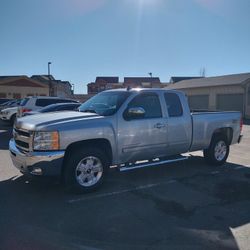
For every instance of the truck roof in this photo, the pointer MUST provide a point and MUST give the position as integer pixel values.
(141, 89)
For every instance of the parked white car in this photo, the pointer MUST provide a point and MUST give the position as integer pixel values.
(36, 103)
(9, 114)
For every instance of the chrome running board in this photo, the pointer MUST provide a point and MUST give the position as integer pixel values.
(150, 164)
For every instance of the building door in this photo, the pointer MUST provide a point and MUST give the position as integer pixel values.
(230, 102)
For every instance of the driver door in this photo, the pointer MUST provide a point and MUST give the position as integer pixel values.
(143, 138)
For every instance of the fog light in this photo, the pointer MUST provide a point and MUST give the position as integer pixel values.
(37, 171)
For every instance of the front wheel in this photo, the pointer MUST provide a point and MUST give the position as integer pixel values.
(85, 170)
(218, 151)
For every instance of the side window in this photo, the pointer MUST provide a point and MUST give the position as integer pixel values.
(43, 102)
(173, 105)
(149, 102)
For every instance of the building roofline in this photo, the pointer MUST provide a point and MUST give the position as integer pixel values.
(10, 79)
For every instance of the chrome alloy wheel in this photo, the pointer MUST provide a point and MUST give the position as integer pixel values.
(89, 171)
(220, 150)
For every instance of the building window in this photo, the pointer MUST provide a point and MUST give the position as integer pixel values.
(2, 95)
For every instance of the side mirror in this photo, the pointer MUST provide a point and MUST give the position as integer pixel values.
(134, 113)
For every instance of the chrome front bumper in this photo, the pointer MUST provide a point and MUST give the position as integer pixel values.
(37, 163)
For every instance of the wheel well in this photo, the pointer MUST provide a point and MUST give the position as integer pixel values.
(13, 115)
(102, 144)
(226, 132)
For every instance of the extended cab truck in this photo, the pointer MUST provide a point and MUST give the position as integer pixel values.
(120, 127)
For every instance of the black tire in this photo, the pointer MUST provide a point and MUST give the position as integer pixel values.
(212, 155)
(13, 119)
(72, 174)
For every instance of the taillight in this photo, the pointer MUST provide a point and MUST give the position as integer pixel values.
(241, 124)
(26, 110)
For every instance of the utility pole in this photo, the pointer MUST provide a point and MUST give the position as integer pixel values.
(50, 83)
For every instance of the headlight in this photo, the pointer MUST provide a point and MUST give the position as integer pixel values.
(46, 141)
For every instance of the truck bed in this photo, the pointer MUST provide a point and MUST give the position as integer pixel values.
(206, 122)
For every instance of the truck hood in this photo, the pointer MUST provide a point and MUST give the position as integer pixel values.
(45, 121)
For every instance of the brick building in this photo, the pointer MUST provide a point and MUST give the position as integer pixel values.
(142, 82)
(102, 83)
(105, 83)
(59, 88)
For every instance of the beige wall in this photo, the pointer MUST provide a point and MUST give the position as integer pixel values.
(24, 91)
(212, 92)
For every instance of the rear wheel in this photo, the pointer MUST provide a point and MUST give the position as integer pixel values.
(218, 151)
(85, 170)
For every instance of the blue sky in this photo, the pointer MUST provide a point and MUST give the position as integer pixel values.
(88, 38)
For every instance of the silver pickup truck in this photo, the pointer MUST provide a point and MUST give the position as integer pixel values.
(129, 129)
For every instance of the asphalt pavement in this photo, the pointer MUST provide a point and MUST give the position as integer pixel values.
(186, 205)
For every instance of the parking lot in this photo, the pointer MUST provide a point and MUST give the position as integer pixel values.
(187, 205)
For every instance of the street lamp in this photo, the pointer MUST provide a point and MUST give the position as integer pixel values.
(50, 85)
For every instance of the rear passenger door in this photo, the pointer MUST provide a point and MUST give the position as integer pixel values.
(179, 124)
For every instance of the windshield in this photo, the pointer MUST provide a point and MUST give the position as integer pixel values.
(105, 103)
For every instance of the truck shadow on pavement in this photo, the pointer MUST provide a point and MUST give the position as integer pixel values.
(185, 205)
(5, 135)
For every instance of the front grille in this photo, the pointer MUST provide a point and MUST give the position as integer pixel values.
(22, 132)
(22, 144)
(23, 139)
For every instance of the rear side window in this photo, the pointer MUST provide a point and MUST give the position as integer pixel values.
(149, 102)
(45, 102)
(173, 105)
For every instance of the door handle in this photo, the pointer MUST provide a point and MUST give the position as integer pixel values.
(159, 125)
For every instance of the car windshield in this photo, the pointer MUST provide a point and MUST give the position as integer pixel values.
(59, 107)
(105, 103)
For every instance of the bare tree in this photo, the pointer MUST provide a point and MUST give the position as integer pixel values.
(203, 71)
